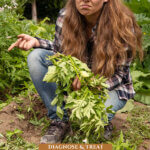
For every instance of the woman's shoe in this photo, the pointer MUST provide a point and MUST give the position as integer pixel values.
(108, 131)
(56, 132)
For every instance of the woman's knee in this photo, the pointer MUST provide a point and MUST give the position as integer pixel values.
(115, 101)
(34, 55)
(38, 55)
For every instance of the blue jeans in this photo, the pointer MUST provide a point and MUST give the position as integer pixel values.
(38, 66)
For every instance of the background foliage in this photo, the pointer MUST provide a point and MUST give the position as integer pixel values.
(141, 71)
(13, 67)
(46, 8)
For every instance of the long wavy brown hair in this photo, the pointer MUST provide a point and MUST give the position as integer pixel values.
(116, 31)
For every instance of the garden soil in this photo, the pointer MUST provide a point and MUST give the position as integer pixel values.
(10, 121)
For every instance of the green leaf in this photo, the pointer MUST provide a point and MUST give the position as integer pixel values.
(50, 75)
(69, 105)
(143, 97)
(17, 132)
(78, 114)
(137, 74)
(128, 107)
(104, 85)
(60, 112)
(84, 74)
(1, 135)
(54, 102)
(21, 116)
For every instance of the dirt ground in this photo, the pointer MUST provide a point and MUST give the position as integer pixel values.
(10, 121)
(32, 134)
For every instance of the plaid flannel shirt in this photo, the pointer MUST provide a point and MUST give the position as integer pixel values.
(121, 81)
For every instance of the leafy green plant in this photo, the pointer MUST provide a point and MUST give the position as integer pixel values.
(21, 116)
(139, 6)
(121, 144)
(34, 119)
(140, 71)
(16, 142)
(87, 104)
(13, 66)
(144, 23)
(142, 86)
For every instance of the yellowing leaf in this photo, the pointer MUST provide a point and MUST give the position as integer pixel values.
(59, 112)
(54, 102)
(84, 74)
(49, 77)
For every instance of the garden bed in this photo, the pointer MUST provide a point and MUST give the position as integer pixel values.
(26, 115)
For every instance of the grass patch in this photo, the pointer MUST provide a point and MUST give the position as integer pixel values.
(139, 125)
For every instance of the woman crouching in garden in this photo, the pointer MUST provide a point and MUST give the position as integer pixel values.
(101, 33)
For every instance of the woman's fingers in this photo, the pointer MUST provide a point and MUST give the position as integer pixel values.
(15, 44)
(76, 84)
(12, 46)
(25, 42)
(21, 44)
(28, 45)
(24, 36)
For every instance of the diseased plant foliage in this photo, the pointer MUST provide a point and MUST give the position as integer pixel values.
(87, 104)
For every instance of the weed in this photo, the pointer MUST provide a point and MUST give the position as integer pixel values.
(16, 142)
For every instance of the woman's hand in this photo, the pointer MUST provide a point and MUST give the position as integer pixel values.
(25, 42)
(76, 84)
